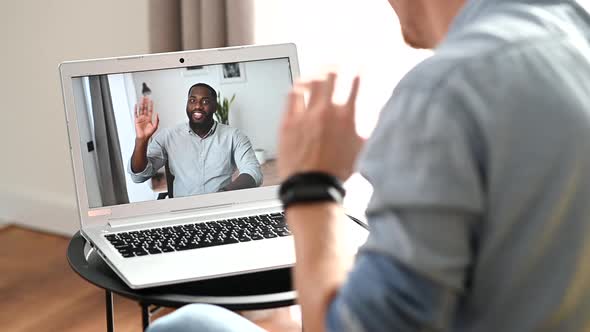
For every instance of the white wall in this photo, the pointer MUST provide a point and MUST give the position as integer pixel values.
(37, 187)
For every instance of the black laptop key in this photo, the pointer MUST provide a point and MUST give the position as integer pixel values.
(140, 252)
(257, 236)
(127, 254)
(187, 246)
(154, 251)
(123, 246)
(118, 242)
(230, 240)
(284, 233)
(281, 224)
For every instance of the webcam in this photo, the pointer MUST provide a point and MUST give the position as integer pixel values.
(181, 60)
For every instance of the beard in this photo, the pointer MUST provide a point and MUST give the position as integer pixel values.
(204, 123)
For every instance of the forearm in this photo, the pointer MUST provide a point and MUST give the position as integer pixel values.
(243, 181)
(139, 159)
(322, 260)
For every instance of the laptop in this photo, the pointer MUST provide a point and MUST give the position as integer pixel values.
(181, 214)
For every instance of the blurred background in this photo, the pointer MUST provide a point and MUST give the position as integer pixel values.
(36, 186)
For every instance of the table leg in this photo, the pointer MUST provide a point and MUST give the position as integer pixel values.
(145, 315)
(109, 309)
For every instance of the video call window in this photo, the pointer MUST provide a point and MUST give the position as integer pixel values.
(215, 130)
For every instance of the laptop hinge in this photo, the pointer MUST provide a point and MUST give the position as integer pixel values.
(195, 213)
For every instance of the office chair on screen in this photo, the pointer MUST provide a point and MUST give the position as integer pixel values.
(169, 183)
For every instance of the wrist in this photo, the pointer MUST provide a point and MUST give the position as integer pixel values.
(141, 140)
(312, 208)
(311, 188)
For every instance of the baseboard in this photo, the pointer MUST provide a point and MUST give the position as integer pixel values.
(3, 224)
(47, 212)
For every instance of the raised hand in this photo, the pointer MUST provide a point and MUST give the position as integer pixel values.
(144, 126)
(320, 135)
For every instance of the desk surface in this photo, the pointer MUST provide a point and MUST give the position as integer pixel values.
(252, 291)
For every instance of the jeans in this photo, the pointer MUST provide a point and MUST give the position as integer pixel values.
(203, 318)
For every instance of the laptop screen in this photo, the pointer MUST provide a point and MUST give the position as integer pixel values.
(164, 134)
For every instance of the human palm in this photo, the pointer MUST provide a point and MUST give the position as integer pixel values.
(144, 125)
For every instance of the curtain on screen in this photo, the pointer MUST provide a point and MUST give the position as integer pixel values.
(113, 188)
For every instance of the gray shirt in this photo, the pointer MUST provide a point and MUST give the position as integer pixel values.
(480, 163)
(200, 165)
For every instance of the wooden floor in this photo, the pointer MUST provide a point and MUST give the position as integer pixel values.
(39, 291)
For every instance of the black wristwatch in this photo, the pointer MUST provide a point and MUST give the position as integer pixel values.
(311, 187)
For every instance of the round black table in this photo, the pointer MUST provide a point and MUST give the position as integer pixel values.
(260, 290)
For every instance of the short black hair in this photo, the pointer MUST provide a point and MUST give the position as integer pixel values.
(212, 91)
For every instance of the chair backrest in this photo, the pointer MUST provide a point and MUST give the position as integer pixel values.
(169, 180)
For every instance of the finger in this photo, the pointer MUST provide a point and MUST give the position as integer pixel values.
(303, 88)
(317, 90)
(295, 101)
(350, 103)
(135, 111)
(322, 91)
(142, 106)
(330, 85)
(156, 122)
(150, 108)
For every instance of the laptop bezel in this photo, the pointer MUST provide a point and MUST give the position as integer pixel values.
(102, 215)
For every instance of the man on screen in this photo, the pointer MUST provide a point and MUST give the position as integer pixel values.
(202, 154)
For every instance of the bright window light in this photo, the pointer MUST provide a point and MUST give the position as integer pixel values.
(351, 37)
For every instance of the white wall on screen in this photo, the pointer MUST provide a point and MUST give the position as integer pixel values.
(137, 192)
(260, 101)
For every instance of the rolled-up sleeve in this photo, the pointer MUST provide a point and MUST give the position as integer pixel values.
(156, 156)
(245, 158)
(384, 295)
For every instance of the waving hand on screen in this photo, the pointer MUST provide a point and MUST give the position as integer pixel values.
(144, 125)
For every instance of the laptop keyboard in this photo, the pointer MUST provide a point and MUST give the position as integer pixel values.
(199, 235)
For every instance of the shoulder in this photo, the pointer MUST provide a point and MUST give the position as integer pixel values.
(229, 131)
(512, 34)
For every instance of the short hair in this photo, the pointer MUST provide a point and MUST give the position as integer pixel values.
(212, 91)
